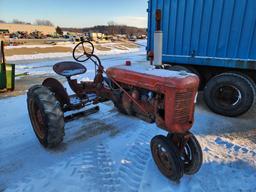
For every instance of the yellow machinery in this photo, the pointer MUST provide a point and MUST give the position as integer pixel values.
(7, 72)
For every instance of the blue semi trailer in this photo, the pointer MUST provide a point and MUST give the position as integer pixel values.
(215, 39)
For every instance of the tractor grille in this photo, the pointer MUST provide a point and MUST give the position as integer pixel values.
(183, 103)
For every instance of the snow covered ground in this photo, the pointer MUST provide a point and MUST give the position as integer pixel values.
(108, 151)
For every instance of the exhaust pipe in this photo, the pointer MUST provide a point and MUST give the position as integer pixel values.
(158, 40)
(158, 48)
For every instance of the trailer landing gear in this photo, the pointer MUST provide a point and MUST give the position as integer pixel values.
(176, 155)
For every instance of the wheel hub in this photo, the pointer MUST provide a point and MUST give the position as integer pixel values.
(38, 121)
(186, 155)
(163, 156)
(228, 96)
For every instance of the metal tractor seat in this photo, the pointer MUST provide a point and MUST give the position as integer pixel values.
(69, 68)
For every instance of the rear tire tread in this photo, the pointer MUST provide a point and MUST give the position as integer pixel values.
(54, 118)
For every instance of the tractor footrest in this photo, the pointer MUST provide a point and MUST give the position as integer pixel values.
(75, 100)
(81, 114)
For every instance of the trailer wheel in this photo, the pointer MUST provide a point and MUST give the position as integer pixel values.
(191, 155)
(166, 157)
(46, 116)
(229, 94)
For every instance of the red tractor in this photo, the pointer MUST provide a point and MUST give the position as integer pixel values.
(153, 95)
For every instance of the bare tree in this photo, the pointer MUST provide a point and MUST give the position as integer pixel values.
(106, 29)
(43, 22)
(2, 21)
(59, 30)
(111, 25)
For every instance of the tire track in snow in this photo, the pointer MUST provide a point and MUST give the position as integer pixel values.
(107, 174)
(134, 164)
(229, 163)
(92, 170)
(75, 168)
(233, 147)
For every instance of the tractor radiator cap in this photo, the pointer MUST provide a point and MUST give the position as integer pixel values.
(128, 63)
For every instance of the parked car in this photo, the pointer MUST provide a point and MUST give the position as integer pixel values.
(132, 38)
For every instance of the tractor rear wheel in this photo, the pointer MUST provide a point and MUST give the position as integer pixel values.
(166, 157)
(46, 116)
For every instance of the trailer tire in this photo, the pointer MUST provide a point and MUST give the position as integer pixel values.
(229, 94)
(46, 116)
(167, 160)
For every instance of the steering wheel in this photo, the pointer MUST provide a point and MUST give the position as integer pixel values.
(96, 60)
(83, 51)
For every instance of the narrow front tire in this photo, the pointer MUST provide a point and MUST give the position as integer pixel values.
(166, 157)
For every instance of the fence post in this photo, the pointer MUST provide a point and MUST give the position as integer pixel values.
(3, 56)
(2, 66)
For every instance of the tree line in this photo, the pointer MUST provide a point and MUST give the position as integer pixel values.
(44, 22)
(109, 30)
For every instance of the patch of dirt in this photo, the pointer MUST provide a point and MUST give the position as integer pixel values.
(101, 48)
(24, 83)
(93, 129)
(62, 49)
(36, 50)
(81, 50)
(129, 45)
(247, 134)
(120, 47)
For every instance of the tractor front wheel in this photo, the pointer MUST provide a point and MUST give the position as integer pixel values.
(191, 154)
(166, 157)
(46, 116)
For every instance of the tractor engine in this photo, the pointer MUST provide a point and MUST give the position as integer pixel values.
(156, 95)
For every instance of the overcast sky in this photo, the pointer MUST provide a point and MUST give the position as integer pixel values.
(76, 13)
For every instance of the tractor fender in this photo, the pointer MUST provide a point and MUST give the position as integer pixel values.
(59, 91)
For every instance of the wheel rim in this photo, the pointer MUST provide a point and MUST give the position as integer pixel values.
(187, 156)
(228, 96)
(163, 157)
(37, 117)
